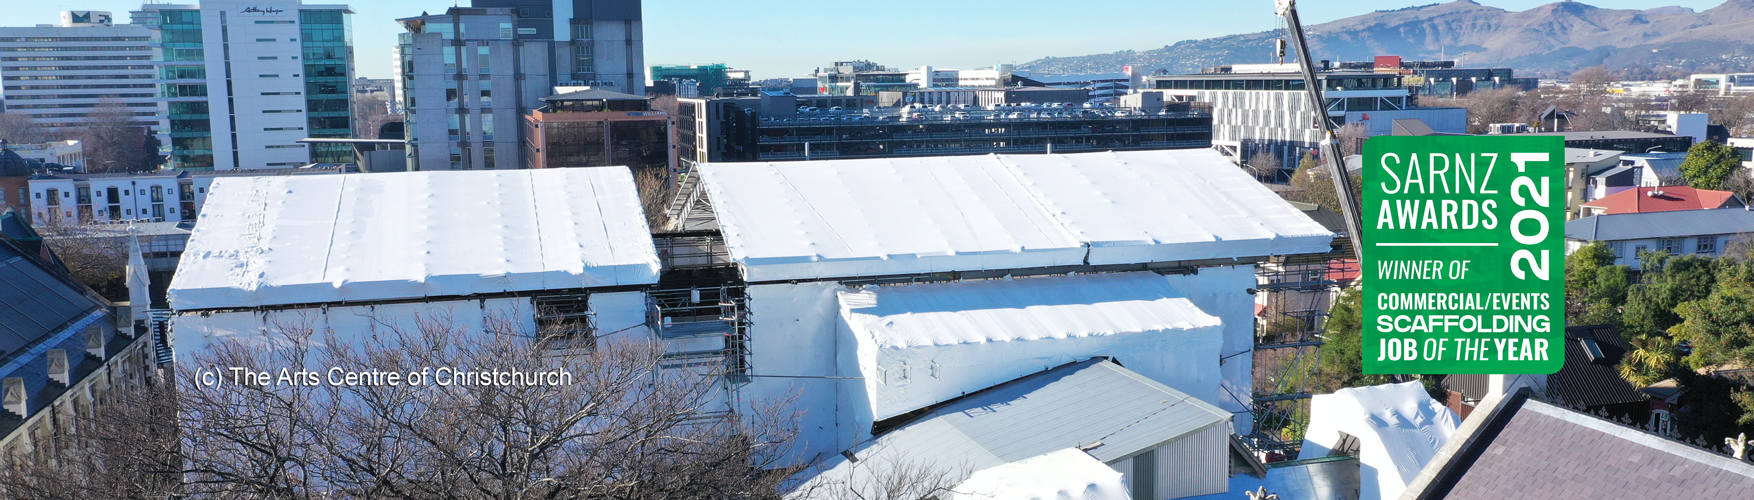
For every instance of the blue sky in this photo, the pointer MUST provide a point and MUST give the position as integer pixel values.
(783, 38)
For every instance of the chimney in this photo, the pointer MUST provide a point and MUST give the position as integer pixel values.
(15, 399)
(95, 342)
(58, 368)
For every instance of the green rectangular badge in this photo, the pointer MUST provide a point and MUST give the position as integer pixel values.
(1464, 254)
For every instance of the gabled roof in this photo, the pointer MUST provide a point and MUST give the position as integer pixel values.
(1664, 199)
(282, 240)
(1517, 447)
(1109, 411)
(1587, 379)
(889, 216)
(34, 302)
(1673, 224)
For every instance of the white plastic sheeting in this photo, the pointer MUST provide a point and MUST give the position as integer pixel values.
(927, 343)
(1398, 426)
(1067, 474)
(869, 217)
(314, 239)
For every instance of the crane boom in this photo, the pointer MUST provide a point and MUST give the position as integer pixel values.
(1329, 148)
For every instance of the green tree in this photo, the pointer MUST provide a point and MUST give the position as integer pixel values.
(1595, 288)
(1709, 165)
(1720, 327)
(1667, 282)
(1343, 347)
(1315, 185)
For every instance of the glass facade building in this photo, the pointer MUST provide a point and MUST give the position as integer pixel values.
(327, 38)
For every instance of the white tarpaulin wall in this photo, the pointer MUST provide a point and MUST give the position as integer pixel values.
(279, 240)
(871, 217)
(927, 343)
(1398, 427)
(1065, 474)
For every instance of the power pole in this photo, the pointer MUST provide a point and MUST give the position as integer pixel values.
(1329, 148)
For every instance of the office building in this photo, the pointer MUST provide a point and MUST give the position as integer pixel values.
(165, 196)
(599, 128)
(244, 81)
(707, 79)
(58, 73)
(1442, 78)
(772, 127)
(1264, 108)
(466, 79)
(600, 43)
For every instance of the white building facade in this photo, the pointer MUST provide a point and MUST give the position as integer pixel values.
(244, 81)
(59, 74)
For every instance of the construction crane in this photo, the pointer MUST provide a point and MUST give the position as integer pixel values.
(1328, 147)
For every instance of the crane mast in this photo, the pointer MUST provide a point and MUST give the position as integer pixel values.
(1329, 148)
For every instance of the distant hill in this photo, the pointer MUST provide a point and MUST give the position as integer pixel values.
(1553, 39)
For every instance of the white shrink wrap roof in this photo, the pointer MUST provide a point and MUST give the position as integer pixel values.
(873, 217)
(279, 240)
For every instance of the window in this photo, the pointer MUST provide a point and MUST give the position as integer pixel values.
(505, 31)
(581, 32)
(526, 31)
(451, 91)
(268, 76)
(450, 59)
(487, 157)
(456, 156)
(1706, 245)
(454, 127)
(267, 58)
(1671, 245)
(487, 126)
(486, 93)
(485, 62)
(264, 39)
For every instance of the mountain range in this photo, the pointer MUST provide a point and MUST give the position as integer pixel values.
(1549, 40)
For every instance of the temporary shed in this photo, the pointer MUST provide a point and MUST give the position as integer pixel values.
(267, 241)
(891, 216)
(924, 344)
(1394, 429)
(1166, 443)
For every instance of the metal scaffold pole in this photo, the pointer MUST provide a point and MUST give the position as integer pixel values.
(1329, 148)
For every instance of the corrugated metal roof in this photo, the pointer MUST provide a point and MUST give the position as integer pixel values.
(1679, 223)
(1075, 405)
(1583, 382)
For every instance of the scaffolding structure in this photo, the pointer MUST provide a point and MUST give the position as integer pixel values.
(1293, 295)
(705, 327)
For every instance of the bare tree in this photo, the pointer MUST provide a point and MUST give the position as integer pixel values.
(370, 113)
(1594, 79)
(95, 255)
(18, 128)
(595, 419)
(113, 142)
(1735, 113)
(1264, 165)
(883, 473)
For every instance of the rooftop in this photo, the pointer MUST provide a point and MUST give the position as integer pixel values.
(1513, 446)
(1673, 224)
(1096, 404)
(594, 95)
(889, 216)
(279, 240)
(1588, 379)
(1664, 199)
(1584, 135)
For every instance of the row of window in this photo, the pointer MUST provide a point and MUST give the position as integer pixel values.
(79, 87)
(81, 48)
(78, 77)
(75, 39)
(78, 58)
(1674, 246)
(78, 105)
(80, 96)
(76, 68)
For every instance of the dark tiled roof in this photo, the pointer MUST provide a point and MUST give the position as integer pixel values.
(1516, 447)
(33, 302)
(1584, 382)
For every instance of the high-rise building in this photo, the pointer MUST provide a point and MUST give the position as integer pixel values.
(602, 44)
(466, 77)
(244, 81)
(57, 74)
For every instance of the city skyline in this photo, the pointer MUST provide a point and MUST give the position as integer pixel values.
(962, 35)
